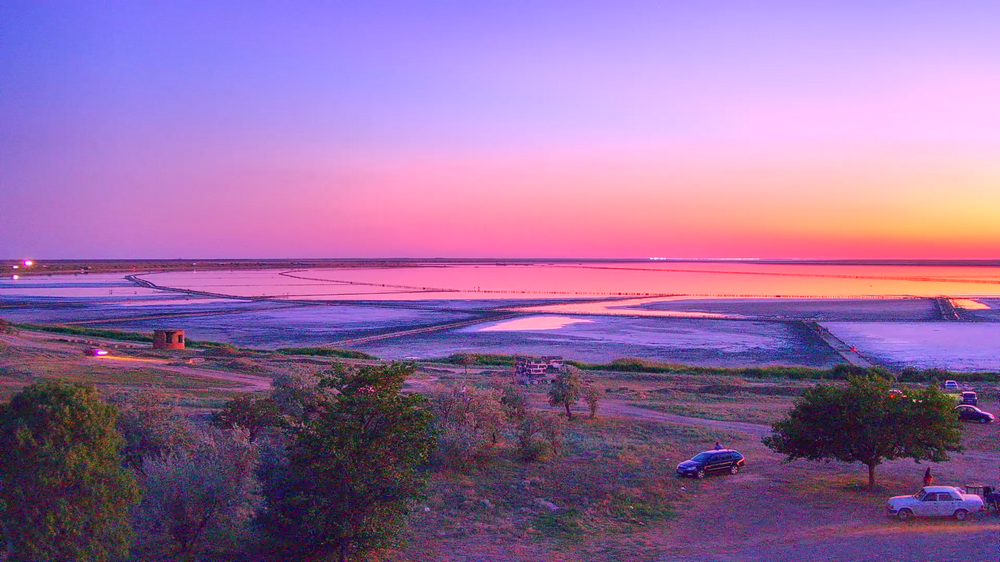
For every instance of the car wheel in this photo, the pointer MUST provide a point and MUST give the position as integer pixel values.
(700, 474)
(961, 514)
(984, 420)
(735, 469)
(904, 514)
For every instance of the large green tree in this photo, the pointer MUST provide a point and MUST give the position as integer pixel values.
(353, 467)
(64, 494)
(861, 422)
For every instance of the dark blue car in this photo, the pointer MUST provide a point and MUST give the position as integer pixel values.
(712, 462)
(973, 414)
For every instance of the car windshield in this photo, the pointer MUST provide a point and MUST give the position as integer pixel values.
(702, 457)
(920, 495)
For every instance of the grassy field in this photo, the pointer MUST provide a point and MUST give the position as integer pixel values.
(614, 478)
(610, 494)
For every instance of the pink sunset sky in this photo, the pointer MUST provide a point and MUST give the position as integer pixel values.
(500, 129)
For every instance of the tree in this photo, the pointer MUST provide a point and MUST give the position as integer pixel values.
(514, 402)
(151, 425)
(353, 469)
(468, 422)
(863, 423)
(64, 494)
(205, 489)
(253, 413)
(299, 398)
(538, 436)
(592, 395)
(566, 390)
(466, 359)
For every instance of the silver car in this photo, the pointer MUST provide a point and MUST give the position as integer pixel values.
(935, 501)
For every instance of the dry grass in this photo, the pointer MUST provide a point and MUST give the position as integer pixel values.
(614, 478)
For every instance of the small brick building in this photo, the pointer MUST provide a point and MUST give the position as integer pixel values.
(168, 339)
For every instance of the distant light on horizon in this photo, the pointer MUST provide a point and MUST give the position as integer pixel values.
(704, 259)
(15, 277)
(28, 263)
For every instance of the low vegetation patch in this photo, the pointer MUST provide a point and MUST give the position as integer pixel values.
(642, 368)
(120, 335)
(325, 352)
(483, 359)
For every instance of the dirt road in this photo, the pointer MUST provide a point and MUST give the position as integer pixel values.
(74, 352)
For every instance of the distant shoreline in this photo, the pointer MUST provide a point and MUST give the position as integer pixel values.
(48, 267)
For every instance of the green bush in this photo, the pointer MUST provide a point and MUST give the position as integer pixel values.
(325, 352)
(92, 332)
(64, 494)
(485, 359)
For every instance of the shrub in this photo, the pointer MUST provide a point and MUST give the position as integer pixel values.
(592, 396)
(151, 425)
(468, 422)
(566, 390)
(514, 402)
(485, 359)
(325, 352)
(204, 492)
(64, 494)
(252, 413)
(539, 437)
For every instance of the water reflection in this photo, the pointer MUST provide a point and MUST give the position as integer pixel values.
(533, 323)
(624, 308)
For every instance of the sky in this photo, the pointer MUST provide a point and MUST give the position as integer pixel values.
(778, 129)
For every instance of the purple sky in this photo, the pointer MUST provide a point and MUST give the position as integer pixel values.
(589, 129)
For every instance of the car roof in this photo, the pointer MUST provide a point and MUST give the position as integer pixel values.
(930, 489)
(721, 451)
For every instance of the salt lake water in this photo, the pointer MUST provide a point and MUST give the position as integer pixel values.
(702, 313)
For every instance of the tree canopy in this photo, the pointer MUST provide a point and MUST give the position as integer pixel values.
(253, 413)
(353, 467)
(566, 390)
(861, 422)
(64, 494)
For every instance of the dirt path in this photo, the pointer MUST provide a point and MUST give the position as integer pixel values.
(623, 410)
(250, 383)
(32, 340)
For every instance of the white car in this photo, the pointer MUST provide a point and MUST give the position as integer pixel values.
(935, 501)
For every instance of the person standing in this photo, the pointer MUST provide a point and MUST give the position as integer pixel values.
(928, 477)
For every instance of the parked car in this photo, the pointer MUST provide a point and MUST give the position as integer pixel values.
(972, 413)
(896, 393)
(96, 352)
(970, 398)
(712, 462)
(935, 501)
(950, 385)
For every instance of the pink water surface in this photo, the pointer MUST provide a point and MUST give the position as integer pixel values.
(563, 280)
